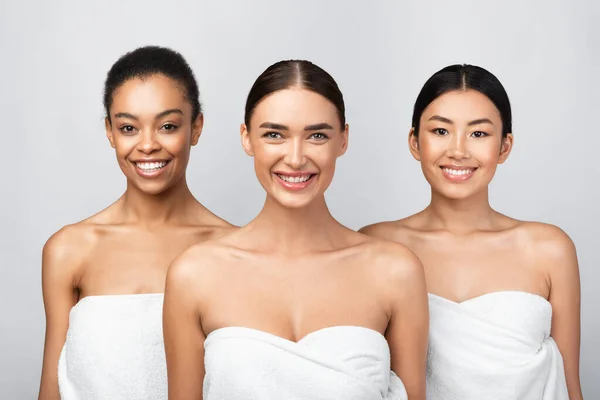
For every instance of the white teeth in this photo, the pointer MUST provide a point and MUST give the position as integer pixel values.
(149, 166)
(294, 179)
(457, 172)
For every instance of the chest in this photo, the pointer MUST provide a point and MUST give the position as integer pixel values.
(296, 298)
(132, 262)
(461, 269)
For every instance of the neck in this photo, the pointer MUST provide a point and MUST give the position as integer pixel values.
(295, 230)
(461, 216)
(166, 207)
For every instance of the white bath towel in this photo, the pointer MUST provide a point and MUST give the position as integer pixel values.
(114, 350)
(342, 362)
(496, 346)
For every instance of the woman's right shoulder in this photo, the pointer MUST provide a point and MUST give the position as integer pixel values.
(68, 247)
(80, 236)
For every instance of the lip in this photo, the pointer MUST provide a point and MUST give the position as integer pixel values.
(295, 185)
(150, 174)
(458, 178)
(294, 173)
(150, 160)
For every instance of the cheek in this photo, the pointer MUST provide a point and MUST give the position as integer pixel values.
(124, 145)
(431, 150)
(267, 155)
(486, 153)
(265, 158)
(323, 157)
(327, 157)
(177, 144)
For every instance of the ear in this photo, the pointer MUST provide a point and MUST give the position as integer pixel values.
(344, 145)
(413, 144)
(109, 134)
(507, 144)
(197, 129)
(245, 134)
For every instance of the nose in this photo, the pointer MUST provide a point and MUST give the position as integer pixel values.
(457, 147)
(294, 156)
(148, 143)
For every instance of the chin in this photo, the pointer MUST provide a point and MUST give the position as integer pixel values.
(296, 205)
(457, 192)
(152, 188)
(294, 201)
(456, 196)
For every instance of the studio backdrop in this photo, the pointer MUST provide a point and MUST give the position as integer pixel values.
(59, 167)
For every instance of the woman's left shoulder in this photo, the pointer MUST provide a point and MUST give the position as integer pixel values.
(398, 276)
(548, 242)
(393, 260)
(542, 234)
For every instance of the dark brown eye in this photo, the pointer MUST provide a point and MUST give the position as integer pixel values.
(127, 129)
(169, 127)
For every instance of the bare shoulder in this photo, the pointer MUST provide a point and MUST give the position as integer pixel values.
(396, 273)
(68, 247)
(547, 241)
(65, 253)
(392, 262)
(550, 249)
(384, 230)
(199, 266)
(398, 231)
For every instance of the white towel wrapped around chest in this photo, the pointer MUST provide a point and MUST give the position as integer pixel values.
(114, 350)
(496, 346)
(342, 362)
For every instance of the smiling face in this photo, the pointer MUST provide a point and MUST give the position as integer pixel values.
(152, 131)
(295, 136)
(460, 143)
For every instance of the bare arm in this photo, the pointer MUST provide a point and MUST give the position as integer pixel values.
(408, 329)
(60, 295)
(183, 335)
(565, 297)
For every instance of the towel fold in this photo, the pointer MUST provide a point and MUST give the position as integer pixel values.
(342, 362)
(114, 350)
(495, 346)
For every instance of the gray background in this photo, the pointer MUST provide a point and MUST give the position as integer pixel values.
(59, 167)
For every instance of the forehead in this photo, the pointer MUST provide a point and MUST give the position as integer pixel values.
(295, 107)
(149, 94)
(462, 105)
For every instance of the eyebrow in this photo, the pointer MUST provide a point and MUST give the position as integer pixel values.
(314, 127)
(272, 125)
(126, 115)
(471, 123)
(158, 116)
(317, 127)
(480, 121)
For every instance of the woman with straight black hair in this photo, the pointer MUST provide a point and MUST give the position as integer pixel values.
(504, 296)
(294, 305)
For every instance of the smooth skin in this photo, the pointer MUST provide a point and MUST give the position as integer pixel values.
(127, 248)
(467, 248)
(294, 269)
